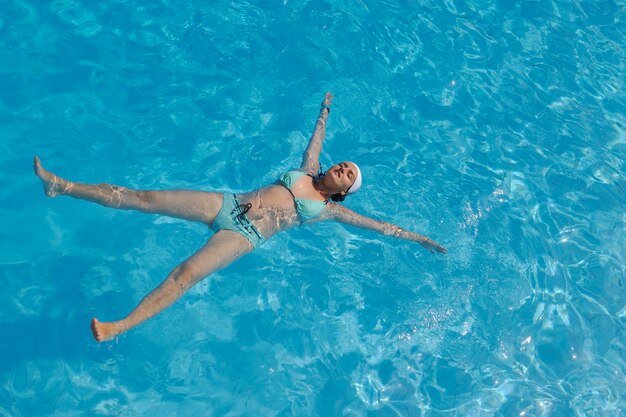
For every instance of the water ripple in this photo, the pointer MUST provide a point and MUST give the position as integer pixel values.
(495, 128)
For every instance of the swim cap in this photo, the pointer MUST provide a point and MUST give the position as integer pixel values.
(357, 182)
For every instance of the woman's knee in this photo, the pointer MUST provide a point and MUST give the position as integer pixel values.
(145, 199)
(185, 276)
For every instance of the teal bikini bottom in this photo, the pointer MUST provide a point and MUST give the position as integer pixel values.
(232, 216)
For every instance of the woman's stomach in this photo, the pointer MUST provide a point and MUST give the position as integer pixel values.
(272, 209)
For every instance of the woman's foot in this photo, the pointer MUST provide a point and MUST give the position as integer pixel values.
(52, 184)
(104, 331)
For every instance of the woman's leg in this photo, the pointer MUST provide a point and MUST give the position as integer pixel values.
(223, 248)
(191, 205)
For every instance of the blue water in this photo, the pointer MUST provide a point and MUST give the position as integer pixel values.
(496, 128)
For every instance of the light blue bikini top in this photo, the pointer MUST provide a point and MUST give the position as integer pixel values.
(307, 209)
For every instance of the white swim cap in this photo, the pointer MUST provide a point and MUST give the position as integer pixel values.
(357, 182)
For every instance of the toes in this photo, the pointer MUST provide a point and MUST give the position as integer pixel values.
(94, 329)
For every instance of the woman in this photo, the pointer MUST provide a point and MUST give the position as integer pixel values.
(241, 222)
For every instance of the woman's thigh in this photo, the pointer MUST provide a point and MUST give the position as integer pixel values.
(223, 248)
(198, 206)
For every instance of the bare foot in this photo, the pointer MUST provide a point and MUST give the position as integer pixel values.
(104, 331)
(52, 184)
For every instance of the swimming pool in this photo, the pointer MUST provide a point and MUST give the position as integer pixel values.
(496, 128)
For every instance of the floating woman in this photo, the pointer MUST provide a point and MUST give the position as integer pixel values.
(242, 222)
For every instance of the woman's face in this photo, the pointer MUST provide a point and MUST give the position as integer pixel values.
(341, 176)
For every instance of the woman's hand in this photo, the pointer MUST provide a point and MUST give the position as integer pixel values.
(432, 246)
(328, 99)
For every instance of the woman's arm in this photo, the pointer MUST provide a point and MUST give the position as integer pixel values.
(341, 214)
(310, 159)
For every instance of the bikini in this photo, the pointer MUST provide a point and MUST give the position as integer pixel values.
(232, 216)
(307, 209)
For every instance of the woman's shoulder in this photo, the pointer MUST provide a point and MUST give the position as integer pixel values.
(301, 172)
(294, 174)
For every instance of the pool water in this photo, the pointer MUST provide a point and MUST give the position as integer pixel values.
(496, 128)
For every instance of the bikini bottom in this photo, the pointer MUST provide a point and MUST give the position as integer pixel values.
(232, 216)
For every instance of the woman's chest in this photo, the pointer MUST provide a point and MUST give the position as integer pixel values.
(304, 189)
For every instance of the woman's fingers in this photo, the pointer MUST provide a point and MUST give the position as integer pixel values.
(434, 247)
(440, 248)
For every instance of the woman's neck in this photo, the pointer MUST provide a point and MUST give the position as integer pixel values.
(318, 184)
